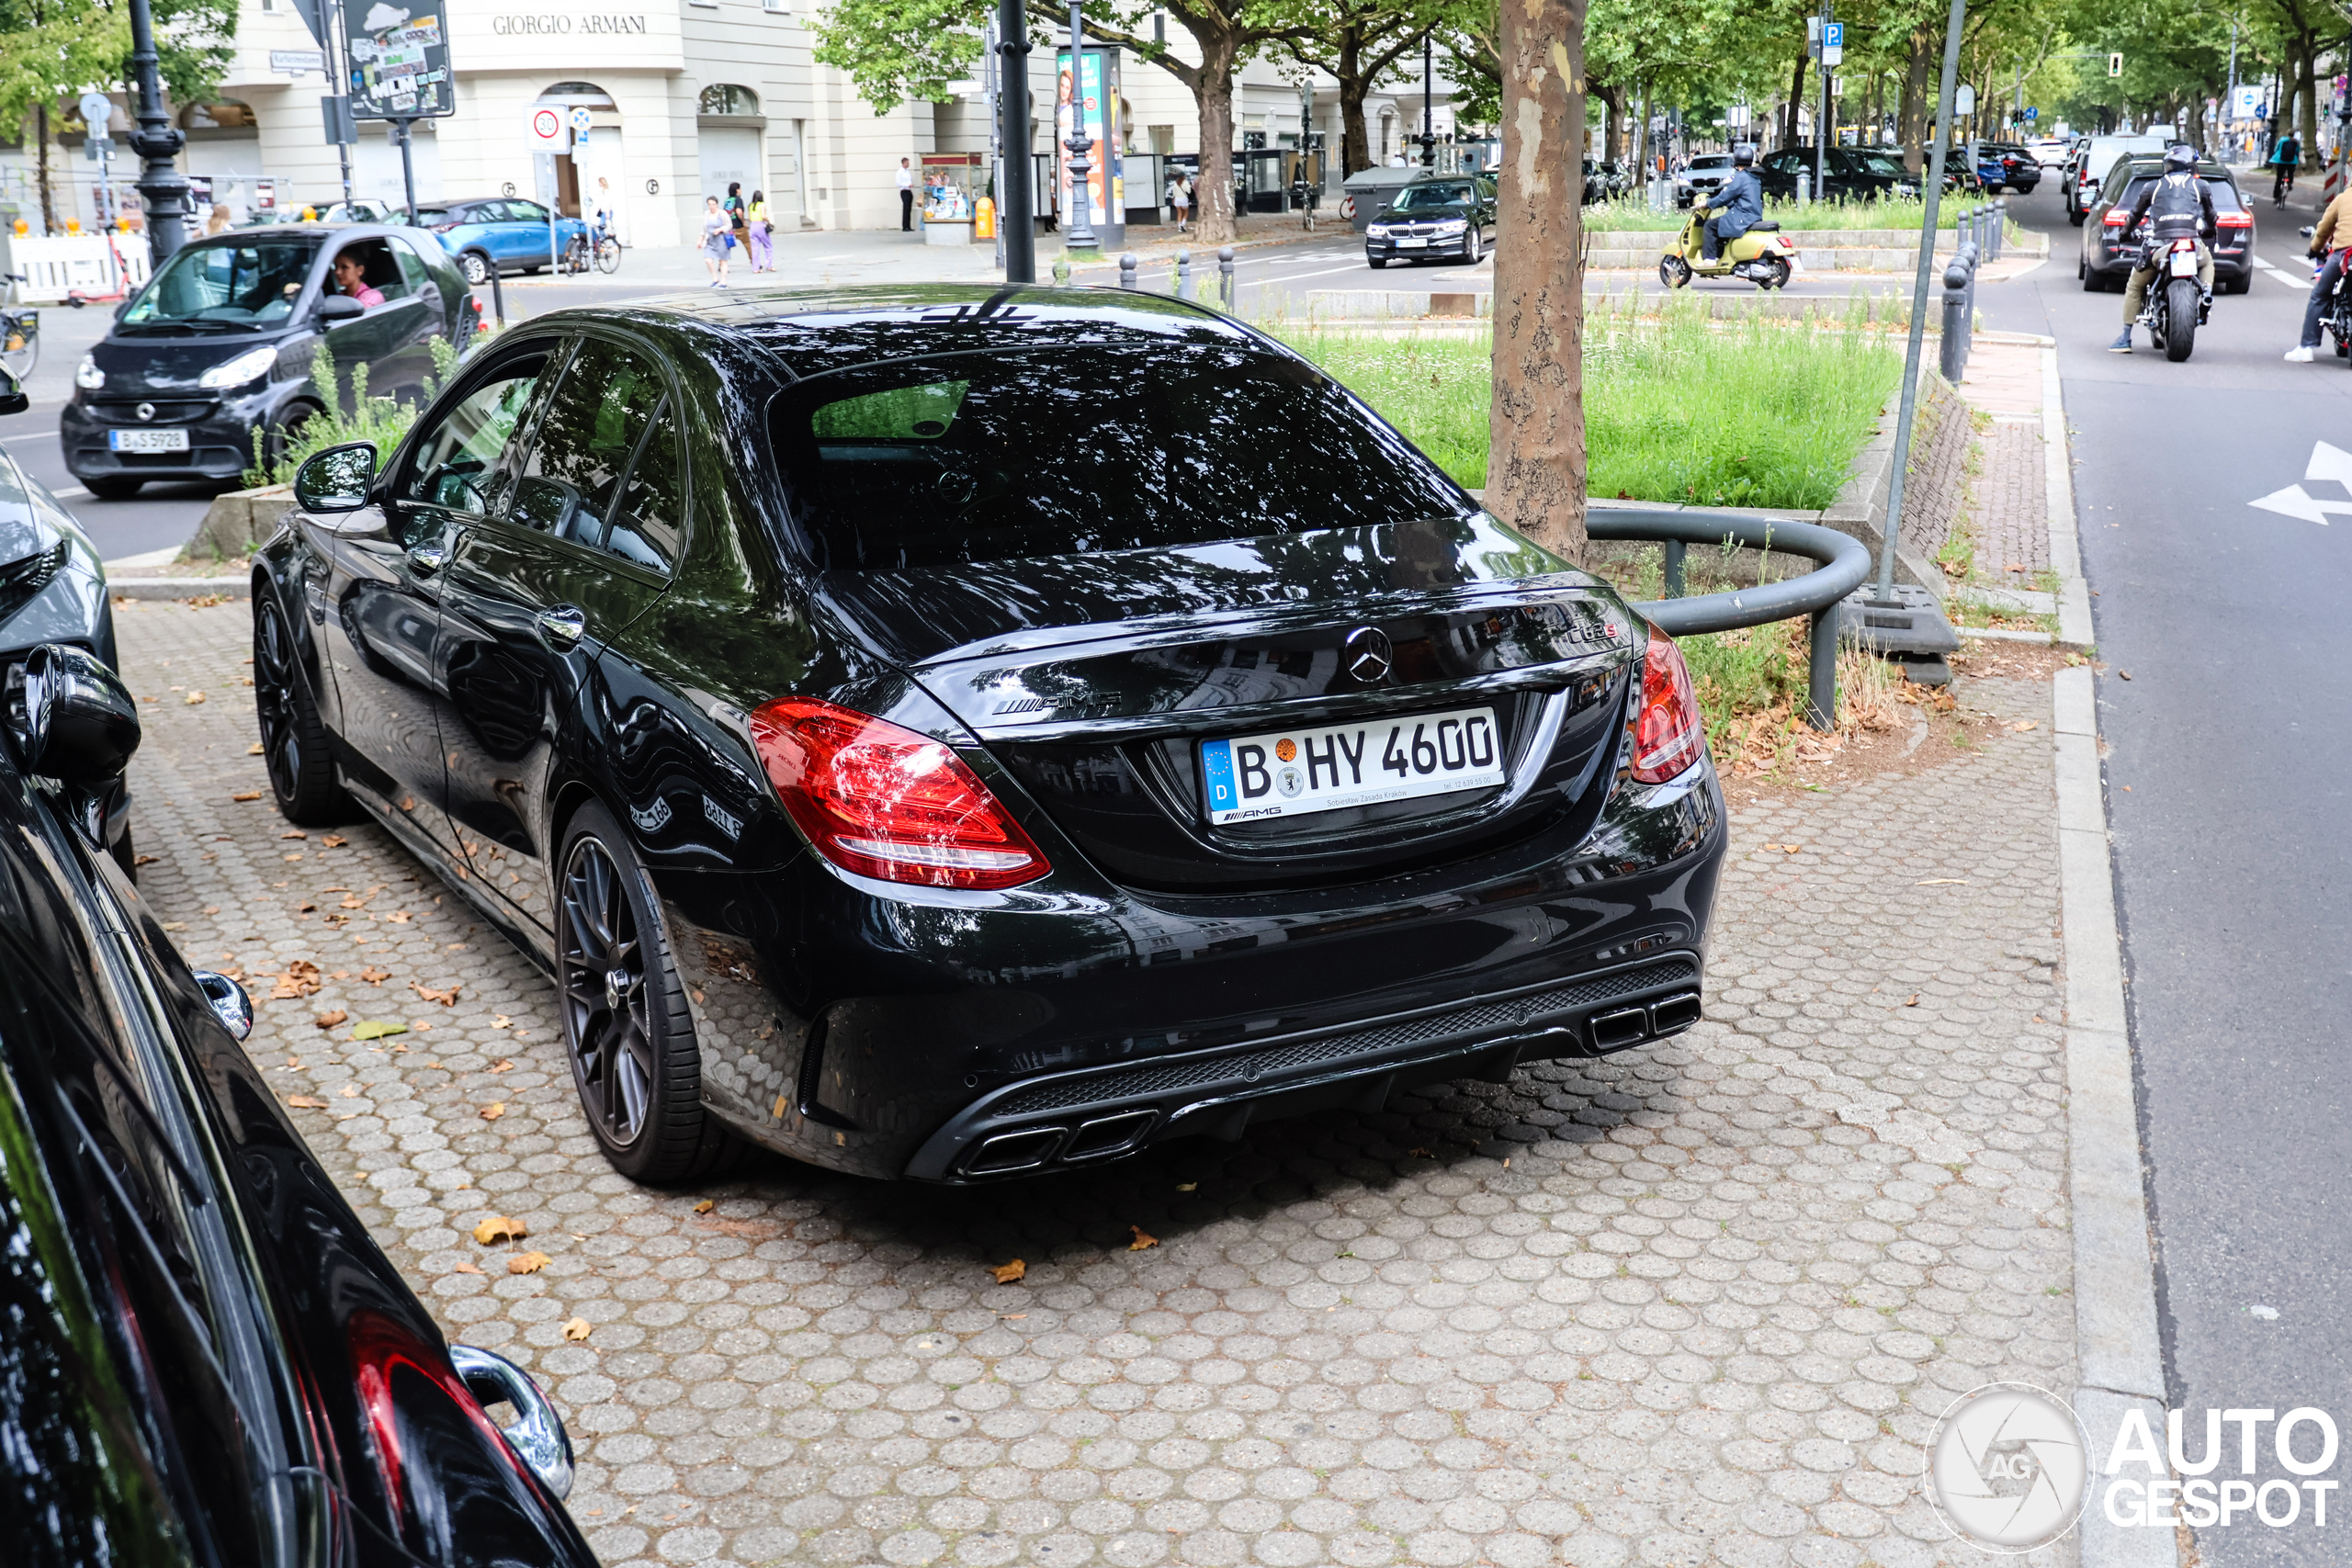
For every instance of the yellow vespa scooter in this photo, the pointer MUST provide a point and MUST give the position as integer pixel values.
(1763, 255)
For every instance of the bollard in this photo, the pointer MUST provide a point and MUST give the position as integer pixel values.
(1954, 357)
(2000, 226)
(1675, 552)
(1225, 278)
(1184, 275)
(1805, 187)
(1127, 269)
(1968, 316)
(1821, 698)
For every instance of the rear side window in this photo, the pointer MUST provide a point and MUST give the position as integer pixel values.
(456, 463)
(985, 457)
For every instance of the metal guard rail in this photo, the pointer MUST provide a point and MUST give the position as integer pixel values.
(1845, 566)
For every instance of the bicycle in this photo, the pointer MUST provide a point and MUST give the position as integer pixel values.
(606, 255)
(19, 334)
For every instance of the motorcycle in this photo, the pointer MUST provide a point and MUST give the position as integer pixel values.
(1763, 255)
(2176, 304)
(2336, 311)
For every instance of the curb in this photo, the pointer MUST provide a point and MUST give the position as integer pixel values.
(2075, 629)
(181, 587)
(2120, 1365)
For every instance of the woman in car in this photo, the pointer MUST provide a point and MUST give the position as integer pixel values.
(351, 279)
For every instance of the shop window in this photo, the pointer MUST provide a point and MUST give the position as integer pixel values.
(726, 97)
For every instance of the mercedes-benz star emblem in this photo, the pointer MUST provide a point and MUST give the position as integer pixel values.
(145, 410)
(1367, 656)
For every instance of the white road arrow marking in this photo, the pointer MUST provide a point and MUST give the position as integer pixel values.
(2330, 463)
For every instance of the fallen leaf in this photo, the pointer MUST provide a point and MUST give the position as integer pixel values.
(2024, 724)
(399, 917)
(578, 1328)
(307, 1101)
(501, 1021)
(253, 749)
(377, 1029)
(2125, 674)
(144, 860)
(1143, 1240)
(465, 1266)
(493, 1112)
(528, 1262)
(294, 833)
(194, 698)
(501, 1065)
(301, 979)
(334, 841)
(349, 1091)
(1914, 1001)
(306, 907)
(352, 901)
(498, 1228)
(420, 1023)
(246, 795)
(447, 997)
(1188, 1186)
(374, 975)
(1791, 849)
(704, 1207)
(1425, 1154)
(293, 1064)
(1006, 1274)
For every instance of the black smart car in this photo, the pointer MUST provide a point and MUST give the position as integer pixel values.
(944, 732)
(1452, 216)
(218, 344)
(2109, 253)
(205, 1358)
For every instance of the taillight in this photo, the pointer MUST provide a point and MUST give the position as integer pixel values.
(1670, 737)
(2236, 220)
(883, 801)
(2116, 218)
(442, 228)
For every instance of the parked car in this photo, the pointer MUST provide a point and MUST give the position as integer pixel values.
(2094, 157)
(1849, 173)
(941, 734)
(218, 348)
(2107, 255)
(1703, 176)
(208, 1359)
(501, 232)
(1367, 193)
(1617, 178)
(2006, 165)
(1435, 215)
(2050, 151)
(359, 211)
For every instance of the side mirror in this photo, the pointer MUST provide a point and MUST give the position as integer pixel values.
(80, 724)
(336, 479)
(337, 308)
(11, 396)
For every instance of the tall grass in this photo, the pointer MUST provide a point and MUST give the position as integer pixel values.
(1760, 413)
(1632, 214)
(382, 421)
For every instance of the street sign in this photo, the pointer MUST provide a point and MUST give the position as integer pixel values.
(97, 149)
(335, 112)
(1963, 99)
(398, 65)
(97, 110)
(1833, 35)
(543, 128)
(297, 61)
(1832, 54)
(2031, 113)
(2247, 104)
(580, 120)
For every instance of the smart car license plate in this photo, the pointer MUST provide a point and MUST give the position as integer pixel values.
(2184, 263)
(1292, 773)
(1411, 242)
(147, 440)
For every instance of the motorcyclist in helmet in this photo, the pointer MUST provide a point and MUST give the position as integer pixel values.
(1736, 207)
(2175, 204)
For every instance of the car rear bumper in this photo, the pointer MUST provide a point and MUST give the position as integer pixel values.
(962, 1037)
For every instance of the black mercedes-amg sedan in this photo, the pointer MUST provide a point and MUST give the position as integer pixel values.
(944, 732)
(205, 1360)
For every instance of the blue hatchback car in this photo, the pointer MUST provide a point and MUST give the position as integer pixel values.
(502, 232)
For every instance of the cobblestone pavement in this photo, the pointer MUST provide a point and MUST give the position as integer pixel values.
(2012, 503)
(1696, 1303)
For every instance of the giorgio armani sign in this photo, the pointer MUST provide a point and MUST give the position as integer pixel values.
(559, 22)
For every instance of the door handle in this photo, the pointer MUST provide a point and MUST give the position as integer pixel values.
(562, 628)
(430, 556)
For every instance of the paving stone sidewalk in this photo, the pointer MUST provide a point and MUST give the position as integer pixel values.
(1695, 1304)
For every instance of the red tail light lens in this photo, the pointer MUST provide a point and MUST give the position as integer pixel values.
(882, 801)
(2235, 220)
(1668, 737)
(2116, 218)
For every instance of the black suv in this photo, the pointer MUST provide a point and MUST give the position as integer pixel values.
(1441, 215)
(1849, 174)
(2107, 255)
(219, 345)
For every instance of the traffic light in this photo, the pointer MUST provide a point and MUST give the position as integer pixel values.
(2115, 65)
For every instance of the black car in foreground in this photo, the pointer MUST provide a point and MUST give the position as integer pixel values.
(1452, 216)
(218, 348)
(205, 1358)
(945, 732)
(2109, 253)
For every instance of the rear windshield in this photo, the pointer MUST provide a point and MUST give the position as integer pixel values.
(975, 457)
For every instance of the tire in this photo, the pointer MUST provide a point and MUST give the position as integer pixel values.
(2075, 215)
(2237, 285)
(1376, 263)
(1780, 278)
(2180, 331)
(113, 490)
(475, 267)
(1674, 272)
(2092, 282)
(609, 256)
(534, 271)
(294, 748)
(1470, 252)
(634, 1060)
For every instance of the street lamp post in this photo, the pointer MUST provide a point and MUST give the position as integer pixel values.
(1015, 217)
(1428, 135)
(157, 142)
(1081, 210)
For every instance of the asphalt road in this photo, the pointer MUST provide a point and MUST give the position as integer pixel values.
(2223, 631)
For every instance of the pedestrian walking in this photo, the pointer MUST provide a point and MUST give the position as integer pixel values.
(733, 207)
(718, 236)
(2283, 161)
(906, 197)
(757, 227)
(1180, 196)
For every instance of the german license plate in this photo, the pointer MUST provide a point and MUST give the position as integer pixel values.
(2184, 263)
(1293, 773)
(147, 440)
(1411, 242)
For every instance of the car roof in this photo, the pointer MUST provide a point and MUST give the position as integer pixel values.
(812, 330)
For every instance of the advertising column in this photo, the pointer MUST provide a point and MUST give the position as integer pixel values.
(1098, 91)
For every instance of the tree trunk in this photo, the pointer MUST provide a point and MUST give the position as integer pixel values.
(1536, 464)
(1614, 99)
(1796, 98)
(1355, 142)
(1213, 214)
(2308, 92)
(41, 164)
(1911, 118)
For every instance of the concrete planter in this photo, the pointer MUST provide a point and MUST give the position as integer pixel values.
(239, 521)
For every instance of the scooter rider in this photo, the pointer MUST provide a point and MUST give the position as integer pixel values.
(2175, 204)
(1736, 207)
(2335, 232)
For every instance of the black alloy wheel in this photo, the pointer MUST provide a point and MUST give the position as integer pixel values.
(294, 750)
(625, 1024)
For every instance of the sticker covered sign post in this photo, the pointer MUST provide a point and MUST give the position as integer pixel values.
(397, 63)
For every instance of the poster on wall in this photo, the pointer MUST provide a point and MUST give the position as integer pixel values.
(1097, 89)
(399, 65)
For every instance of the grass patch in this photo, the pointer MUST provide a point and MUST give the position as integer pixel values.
(1760, 413)
(1628, 215)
